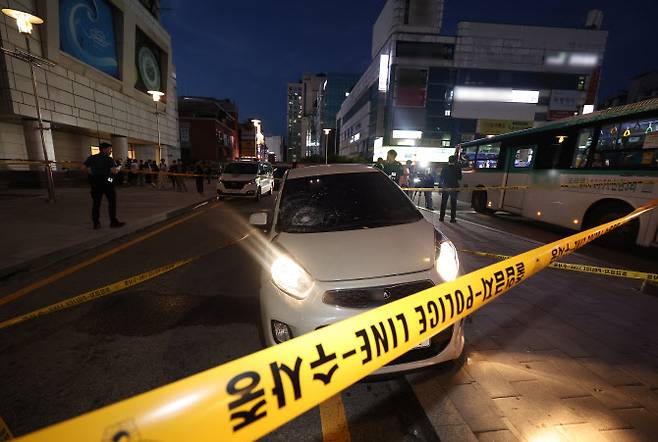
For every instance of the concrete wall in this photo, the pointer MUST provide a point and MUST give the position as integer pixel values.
(76, 97)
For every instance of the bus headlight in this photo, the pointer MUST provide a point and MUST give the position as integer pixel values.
(447, 261)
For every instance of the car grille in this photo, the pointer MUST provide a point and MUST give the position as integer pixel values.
(369, 297)
(234, 184)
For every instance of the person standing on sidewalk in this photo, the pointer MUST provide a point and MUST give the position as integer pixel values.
(198, 171)
(102, 170)
(162, 174)
(180, 179)
(450, 176)
(172, 169)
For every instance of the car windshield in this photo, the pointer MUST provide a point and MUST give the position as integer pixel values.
(347, 201)
(280, 171)
(242, 168)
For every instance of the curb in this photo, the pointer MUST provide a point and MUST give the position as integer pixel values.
(57, 256)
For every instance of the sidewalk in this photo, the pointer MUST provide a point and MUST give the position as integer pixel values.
(37, 234)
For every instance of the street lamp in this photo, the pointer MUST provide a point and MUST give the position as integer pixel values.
(25, 22)
(157, 95)
(326, 145)
(256, 123)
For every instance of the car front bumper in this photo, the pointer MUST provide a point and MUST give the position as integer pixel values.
(303, 316)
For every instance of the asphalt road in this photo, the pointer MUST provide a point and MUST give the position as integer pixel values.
(206, 313)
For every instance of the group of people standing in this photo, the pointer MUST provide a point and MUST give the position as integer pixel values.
(409, 176)
(104, 172)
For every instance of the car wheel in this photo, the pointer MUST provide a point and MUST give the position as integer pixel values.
(257, 196)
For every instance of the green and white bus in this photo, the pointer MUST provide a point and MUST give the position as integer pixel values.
(598, 150)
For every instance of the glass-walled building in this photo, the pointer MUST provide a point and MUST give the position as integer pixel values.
(424, 92)
(107, 55)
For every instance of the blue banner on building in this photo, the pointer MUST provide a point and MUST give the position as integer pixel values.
(86, 31)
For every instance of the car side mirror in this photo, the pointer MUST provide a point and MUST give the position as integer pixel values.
(258, 219)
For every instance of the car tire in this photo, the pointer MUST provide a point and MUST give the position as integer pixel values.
(257, 196)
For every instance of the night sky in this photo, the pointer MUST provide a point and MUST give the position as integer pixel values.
(248, 51)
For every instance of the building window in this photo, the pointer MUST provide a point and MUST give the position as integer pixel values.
(131, 152)
(410, 87)
(447, 112)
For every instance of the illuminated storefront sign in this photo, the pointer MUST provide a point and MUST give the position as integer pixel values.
(572, 59)
(498, 95)
(497, 127)
(87, 32)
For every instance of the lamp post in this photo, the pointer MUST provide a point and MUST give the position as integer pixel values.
(326, 145)
(256, 123)
(157, 95)
(25, 23)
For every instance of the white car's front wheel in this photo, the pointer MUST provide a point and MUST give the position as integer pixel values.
(257, 196)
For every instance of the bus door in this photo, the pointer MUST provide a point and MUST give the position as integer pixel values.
(519, 166)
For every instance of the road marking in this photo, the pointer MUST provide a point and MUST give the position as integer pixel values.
(69, 271)
(97, 293)
(111, 288)
(334, 423)
(5, 433)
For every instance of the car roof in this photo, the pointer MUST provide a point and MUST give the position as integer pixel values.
(330, 169)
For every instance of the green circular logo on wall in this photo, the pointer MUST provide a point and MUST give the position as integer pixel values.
(149, 69)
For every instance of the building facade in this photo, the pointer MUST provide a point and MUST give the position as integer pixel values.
(252, 140)
(294, 114)
(275, 147)
(208, 129)
(96, 91)
(424, 92)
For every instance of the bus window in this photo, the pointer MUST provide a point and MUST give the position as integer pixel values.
(524, 157)
(583, 146)
(468, 157)
(633, 133)
(487, 156)
(608, 137)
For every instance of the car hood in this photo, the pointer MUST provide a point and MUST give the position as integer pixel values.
(363, 253)
(237, 177)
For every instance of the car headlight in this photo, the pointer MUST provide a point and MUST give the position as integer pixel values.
(447, 261)
(290, 277)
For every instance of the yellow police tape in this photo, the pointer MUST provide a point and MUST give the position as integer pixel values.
(251, 396)
(598, 185)
(97, 293)
(582, 268)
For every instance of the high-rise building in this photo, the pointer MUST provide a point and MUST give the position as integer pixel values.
(294, 114)
(312, 85)
(335, 88)
(274, 145)
(424, 92)
(97, 90)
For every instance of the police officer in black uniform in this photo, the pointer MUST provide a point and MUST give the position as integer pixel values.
(450, 176)
(102, 170)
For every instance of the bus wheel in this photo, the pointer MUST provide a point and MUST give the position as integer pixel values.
(603, 212)
(479, 202)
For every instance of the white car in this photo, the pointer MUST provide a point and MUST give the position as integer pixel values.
(345, 238)
(246, 178)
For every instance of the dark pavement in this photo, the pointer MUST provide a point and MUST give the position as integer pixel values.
(556, 358)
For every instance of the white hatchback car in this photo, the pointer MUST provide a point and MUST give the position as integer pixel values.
(345, 238)
(246, 178)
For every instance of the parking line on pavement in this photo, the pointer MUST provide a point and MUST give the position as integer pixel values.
(70, 270)
(5, 433)
(96, 293)
(334, 422)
